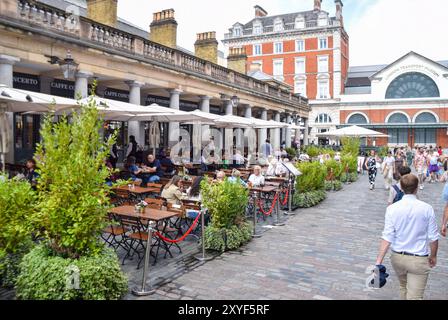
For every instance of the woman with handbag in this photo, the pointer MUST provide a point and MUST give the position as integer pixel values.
(371, 167)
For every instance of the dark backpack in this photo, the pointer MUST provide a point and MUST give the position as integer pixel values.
(399, 195)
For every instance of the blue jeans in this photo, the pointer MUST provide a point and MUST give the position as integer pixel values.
(151, 179)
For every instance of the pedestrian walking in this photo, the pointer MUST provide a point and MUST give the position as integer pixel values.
(420, 167)
(411, 231)
(396, 193)
(388, 170)
(433, 166)
(445, 212)
(371, 168)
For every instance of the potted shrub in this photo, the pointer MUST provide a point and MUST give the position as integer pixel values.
(310, 186)
(226, 203)
(72, 205)
(17, 200)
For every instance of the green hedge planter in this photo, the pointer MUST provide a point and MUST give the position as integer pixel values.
(309, 199)
(334, 185)
(44, 276)
(220, 239)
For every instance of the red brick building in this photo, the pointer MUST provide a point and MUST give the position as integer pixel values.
(308, 50)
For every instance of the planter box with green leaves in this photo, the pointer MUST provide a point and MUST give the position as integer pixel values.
(226, 202)
(73, 201)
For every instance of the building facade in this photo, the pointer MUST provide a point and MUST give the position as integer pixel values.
(307, 50)
(128, 64)
(407, 99)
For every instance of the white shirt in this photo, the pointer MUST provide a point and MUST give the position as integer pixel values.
(410, 226)
(389, 161)
(238, 158)
(256, 180)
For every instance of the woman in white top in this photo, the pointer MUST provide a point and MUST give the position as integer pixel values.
(272, 168)
(256, 179)
(389, 168)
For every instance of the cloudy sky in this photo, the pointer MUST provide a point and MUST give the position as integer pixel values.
(380, 31)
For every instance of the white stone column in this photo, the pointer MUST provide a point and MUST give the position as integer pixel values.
(6, 78)
(136, 128)
(288, 131)
(275, 134)
(204, 106)
(174, 129)
(305, 135)
(228, 133)
(262, 133)
(82, 84)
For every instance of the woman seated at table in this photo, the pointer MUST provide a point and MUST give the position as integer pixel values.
(172, 192)
(133, 169)
(236, 178)
(256, 179)
(271, 171)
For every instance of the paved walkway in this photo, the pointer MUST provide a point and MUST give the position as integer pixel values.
(321, 253)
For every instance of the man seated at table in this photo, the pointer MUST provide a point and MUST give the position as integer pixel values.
(133, 169)
(236, 178)
(152, 170)
(172, 192)
(256, 179)
(166, 162)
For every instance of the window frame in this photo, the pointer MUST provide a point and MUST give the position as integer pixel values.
(320, 95)
(327, 65)
(303, 45)
(302, 59)
(326, 43)
(255, 51)
(281, 47)
(274, 62)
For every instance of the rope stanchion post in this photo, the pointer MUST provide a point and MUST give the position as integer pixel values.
(290, 184)
(254, 234)
(278, 223)
(143, 291)
(203, 257)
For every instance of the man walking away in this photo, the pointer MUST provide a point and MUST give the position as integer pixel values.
(411, 231)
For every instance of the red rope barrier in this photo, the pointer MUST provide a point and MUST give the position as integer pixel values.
(285, 201)
(184, 236)
(272, 207)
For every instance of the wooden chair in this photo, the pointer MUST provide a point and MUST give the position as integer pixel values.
(121, 198)
(114, 234)
(154, 203)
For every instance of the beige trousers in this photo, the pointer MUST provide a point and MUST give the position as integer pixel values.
(413, 273)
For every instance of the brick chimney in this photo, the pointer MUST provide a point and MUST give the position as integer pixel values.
(237, 60)
(339, 6)
(163, 28)
(260, 12)
(103, 11)
(317, 5)
(206, 46)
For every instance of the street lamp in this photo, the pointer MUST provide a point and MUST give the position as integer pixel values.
(235, 101)
(68, 66)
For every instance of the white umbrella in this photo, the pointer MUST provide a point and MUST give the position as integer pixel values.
(353, 131)
(154, 135)
(17, 100)
(231, 121)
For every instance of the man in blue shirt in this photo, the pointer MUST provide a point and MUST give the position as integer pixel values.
(153, 170)
(266, 148)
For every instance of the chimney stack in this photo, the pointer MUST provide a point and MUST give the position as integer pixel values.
(317, 5)
(206, 46)
(339, 6)
(260, 12)
(103, 11)
(237, 60)
(163, 28)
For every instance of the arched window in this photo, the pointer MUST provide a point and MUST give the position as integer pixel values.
(398, 118)
(425, 135)
(398, 135)
(426, 117)
(412, 85)
(323, 118)
(357, 118)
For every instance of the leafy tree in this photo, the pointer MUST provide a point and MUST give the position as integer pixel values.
(312, 178)
(73, 197)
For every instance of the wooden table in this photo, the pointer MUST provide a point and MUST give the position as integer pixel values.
(149, 214)
(265, 189)
(138, 191)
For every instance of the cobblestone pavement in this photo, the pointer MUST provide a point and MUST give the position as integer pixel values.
(321, 253)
